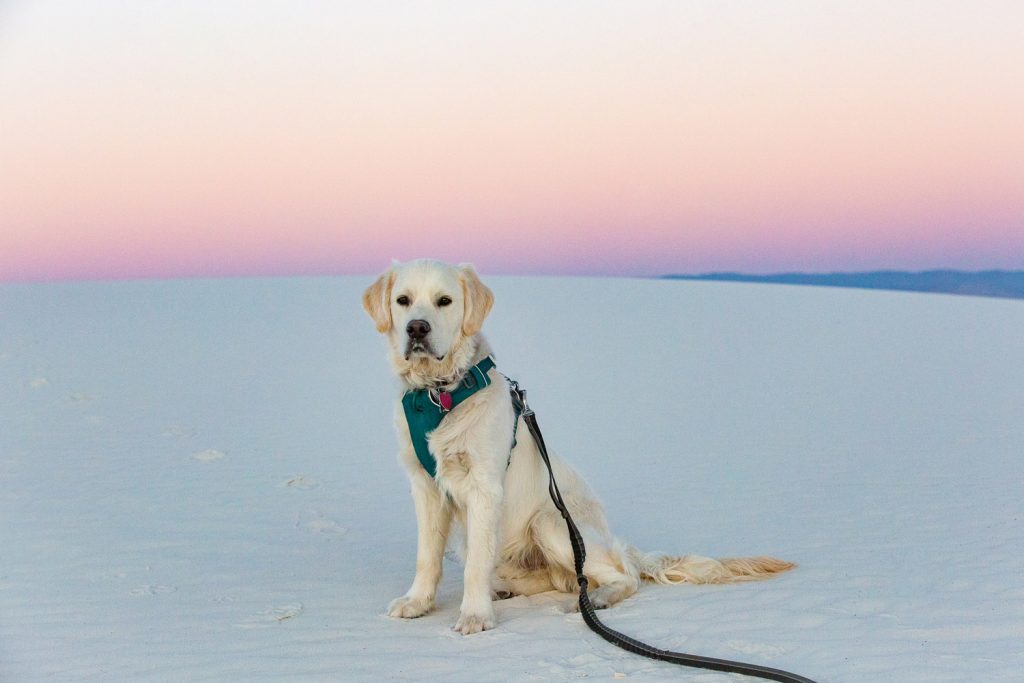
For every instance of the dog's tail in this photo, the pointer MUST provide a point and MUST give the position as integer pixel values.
(697, 569)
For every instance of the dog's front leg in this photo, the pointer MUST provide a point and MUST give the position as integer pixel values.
(433, 520)
(483, 505)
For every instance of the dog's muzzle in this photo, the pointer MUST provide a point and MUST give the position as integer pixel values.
(417, 331)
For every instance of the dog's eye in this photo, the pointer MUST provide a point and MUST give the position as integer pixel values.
(402, 300)
(444, 301)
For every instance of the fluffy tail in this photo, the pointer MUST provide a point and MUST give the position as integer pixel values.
(697, 569)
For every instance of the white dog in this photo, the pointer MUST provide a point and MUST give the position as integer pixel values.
(516, 542)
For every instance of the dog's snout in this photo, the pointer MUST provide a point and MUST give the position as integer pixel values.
(417, 329)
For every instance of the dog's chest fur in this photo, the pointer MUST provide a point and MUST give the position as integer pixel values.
(472, 443)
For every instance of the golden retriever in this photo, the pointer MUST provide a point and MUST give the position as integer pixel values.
(515, 541)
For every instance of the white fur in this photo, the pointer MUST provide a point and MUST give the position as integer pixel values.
(515, 542)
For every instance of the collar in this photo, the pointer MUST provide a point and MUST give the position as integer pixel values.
(473, 381)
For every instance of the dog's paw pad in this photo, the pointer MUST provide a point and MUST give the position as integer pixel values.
(408, 608)
(474, 623)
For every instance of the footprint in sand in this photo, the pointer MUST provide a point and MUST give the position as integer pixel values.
(757, 649)
(327, 527)
(318, 523)
(270, 617)
(209, 455)
(301, 483)
(150, 589)
(178, 432)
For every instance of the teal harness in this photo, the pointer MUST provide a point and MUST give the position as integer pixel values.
(426, 408)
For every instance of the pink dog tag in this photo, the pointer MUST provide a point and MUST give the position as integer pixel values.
(445, 399)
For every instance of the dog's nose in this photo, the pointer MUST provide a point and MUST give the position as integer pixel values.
(417, 329)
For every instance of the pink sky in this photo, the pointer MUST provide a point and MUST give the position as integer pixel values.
(269, 138)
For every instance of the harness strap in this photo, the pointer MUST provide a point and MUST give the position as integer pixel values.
(426, 408)
(579, 553)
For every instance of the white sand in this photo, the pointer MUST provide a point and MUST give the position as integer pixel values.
(198, 481)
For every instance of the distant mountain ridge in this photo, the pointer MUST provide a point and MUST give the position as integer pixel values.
(995, 283)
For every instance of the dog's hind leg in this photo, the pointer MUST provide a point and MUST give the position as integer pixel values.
(611, 574)
(510, 580)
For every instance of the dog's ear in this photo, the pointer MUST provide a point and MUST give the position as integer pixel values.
(377, 300)
(478, 298)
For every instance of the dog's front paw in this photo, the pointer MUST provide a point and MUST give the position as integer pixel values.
(474, 622)
(408, 607)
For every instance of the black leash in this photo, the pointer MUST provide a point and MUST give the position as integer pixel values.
(579, 552)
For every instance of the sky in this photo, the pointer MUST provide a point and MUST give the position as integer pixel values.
(190, 138)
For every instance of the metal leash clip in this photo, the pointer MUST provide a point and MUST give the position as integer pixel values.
(519, 397)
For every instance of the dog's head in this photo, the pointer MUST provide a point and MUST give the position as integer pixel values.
(428, 309)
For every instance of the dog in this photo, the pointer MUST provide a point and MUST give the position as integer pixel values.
(514, 542)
